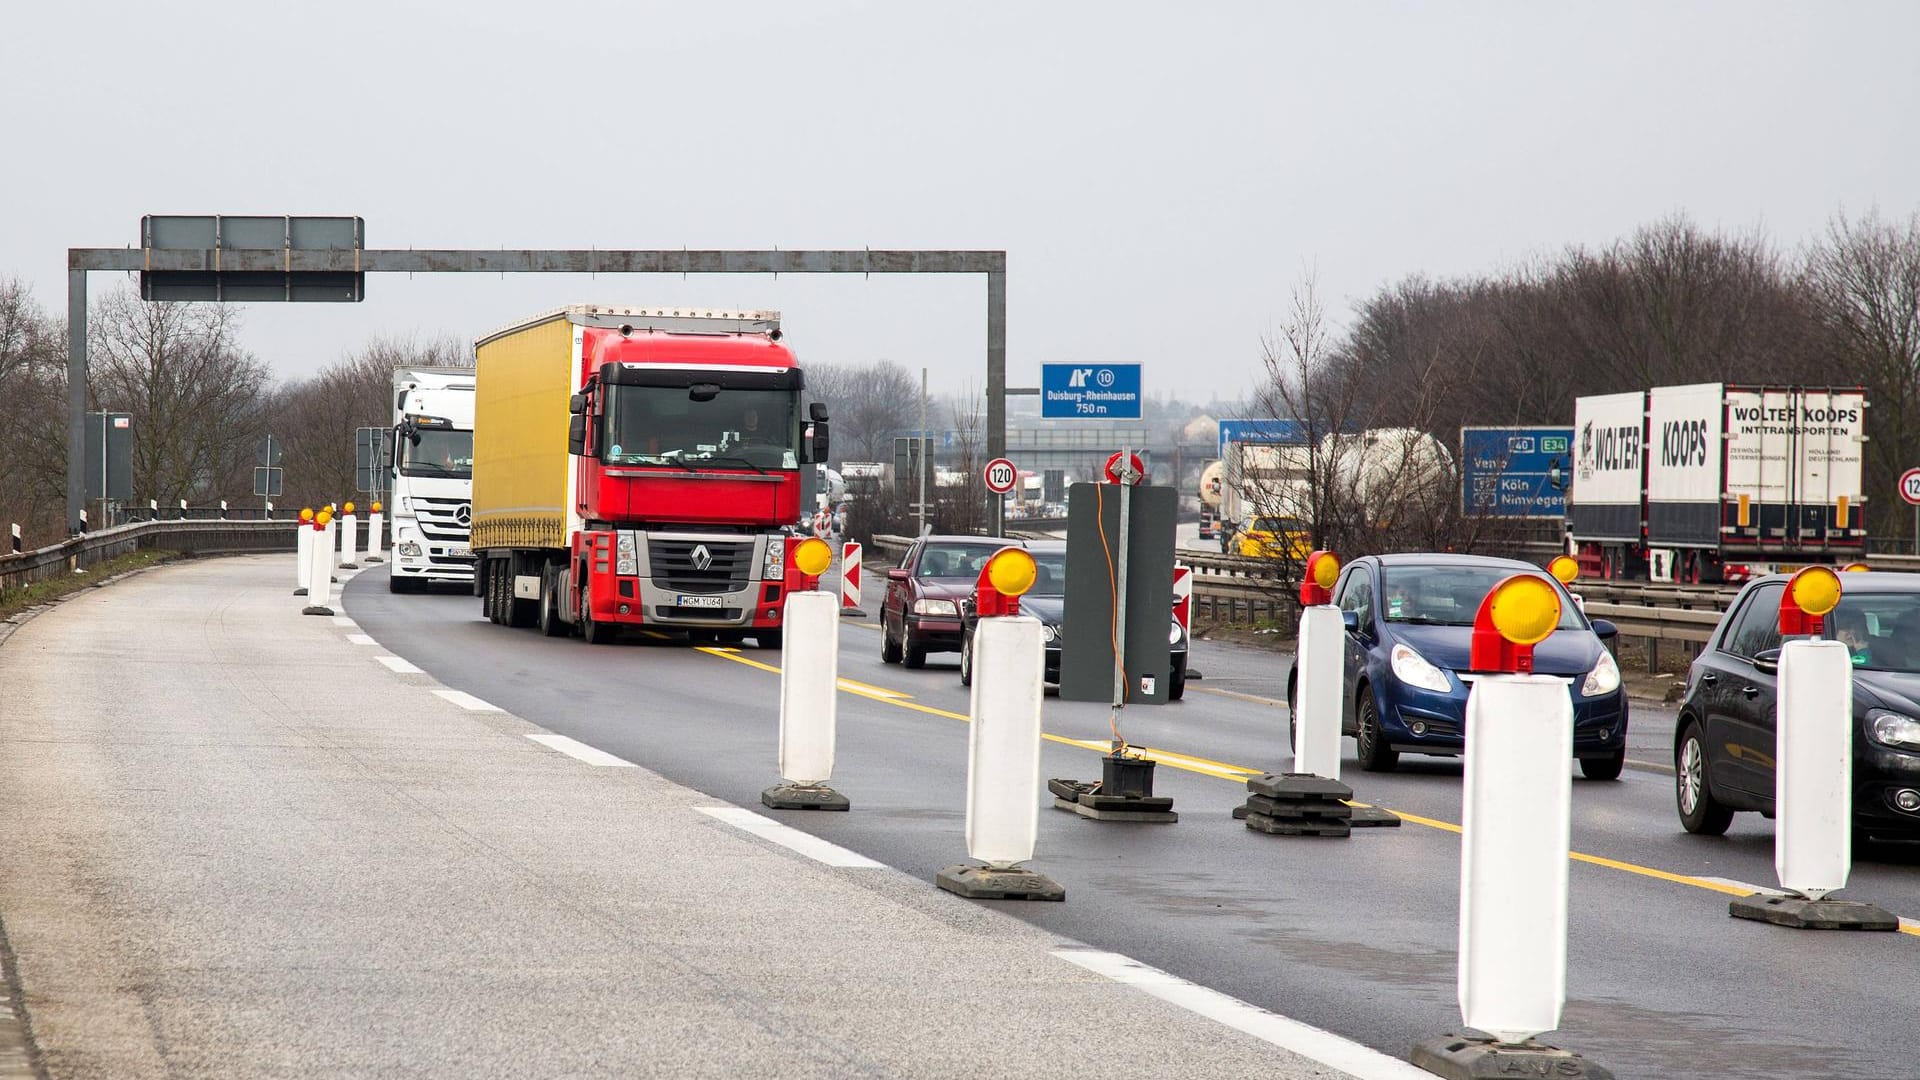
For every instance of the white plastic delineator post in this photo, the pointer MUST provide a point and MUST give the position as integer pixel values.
(809, 690)
(349, 543)
(303, 558)
(850, 566)
(374, 547)
(320, 571)
(1813, 777)
(1003, 742)
(1515, 833)
(1316, 691)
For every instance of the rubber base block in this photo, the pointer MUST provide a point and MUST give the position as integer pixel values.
(1372, 817)
(374, 559)
(1305, 809)
(1804, 914)
(316, 609)
(1148, 817)
(853, 612)
(1459, 1057)
(1273, 826)
(1299, 786)
(986, 883)
(349, 566)
(299, 592)
(791, 797)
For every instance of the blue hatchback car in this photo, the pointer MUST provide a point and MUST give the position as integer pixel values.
(1409, 628)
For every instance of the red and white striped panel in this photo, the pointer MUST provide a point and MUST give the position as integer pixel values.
(1183, 596)
(850, 575)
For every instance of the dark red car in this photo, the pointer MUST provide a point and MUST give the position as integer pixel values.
(921, 612)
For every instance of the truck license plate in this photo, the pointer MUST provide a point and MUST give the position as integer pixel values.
(459, 551)
(684, 600)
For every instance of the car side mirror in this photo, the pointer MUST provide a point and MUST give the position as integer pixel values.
(577, 435)
(1350, 620)
(896, 575)
(1768, 661)
(1604, 630)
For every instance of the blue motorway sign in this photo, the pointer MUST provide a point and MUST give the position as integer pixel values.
(1262, 433)
(1511, 472)
(1090, 391)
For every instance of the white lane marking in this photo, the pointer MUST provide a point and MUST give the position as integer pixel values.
(1333, 1051)
(790, 838)
(360, 639)
(467, 701)
(576, 749)
(346, 623)
(1747, 885)
(398, 666)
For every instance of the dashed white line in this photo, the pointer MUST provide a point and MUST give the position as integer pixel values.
(467, 701)
(790, 838)
(398, 666)
(1305, 1040)
(345, 623)
(576, 749)
(361, 639)
(1747, 885)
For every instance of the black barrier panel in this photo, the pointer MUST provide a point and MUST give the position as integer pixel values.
(1086, 659)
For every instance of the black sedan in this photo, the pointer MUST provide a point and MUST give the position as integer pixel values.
(1724, 745)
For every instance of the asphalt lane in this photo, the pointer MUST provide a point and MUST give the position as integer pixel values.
(1355, 936)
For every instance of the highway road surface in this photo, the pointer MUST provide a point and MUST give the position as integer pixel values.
(1355, 936)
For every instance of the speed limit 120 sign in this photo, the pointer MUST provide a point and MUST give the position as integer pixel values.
(1910, 486)
(1000, 475)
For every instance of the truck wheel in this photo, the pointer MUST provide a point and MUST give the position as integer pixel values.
(767, 639)
(494, 605)
(592, 632)
(550, 624)
(1177, 680)
(889, 651)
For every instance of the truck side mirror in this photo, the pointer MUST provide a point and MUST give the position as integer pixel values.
(577, 434)
(577, 404)
(820, 441)
(817, 411)
(386, 453)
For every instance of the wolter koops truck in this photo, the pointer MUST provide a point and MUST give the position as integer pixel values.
(640, 467)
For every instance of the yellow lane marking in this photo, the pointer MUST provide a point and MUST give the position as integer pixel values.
(1238, 696)
(1239, 774)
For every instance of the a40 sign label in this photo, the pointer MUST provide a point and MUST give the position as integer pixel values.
(1000, 476)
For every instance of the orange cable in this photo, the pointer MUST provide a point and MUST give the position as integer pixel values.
(1113, 615)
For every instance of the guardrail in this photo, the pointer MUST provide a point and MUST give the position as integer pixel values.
(193, 536)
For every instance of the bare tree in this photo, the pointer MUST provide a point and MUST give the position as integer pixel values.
(33, 415)
(870, 404)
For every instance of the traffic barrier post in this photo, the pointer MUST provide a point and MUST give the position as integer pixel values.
(320, 571)
(1003, 741)
(1813, 771)
(303, 553)
(349, 540)
(375, 541)
(17, 543)
(850, 567)
(1516, 822)
(809, 688)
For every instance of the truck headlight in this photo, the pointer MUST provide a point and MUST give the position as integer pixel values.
(936, 607)
(1893, 729)
(625, 562)
(1604, 678)
(775, 566)
(408, 548)
(1415, 670)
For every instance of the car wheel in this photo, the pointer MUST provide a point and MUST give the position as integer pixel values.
(1177, 681)
(1604, 768)
(889, 651)
(1375, 755)
(1700, 813)
(966, 660)
(912, 655)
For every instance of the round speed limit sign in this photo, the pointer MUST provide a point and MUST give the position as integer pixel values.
(1910, 486)
(1000, 475)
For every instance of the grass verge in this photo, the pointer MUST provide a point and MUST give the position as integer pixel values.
(14, 601)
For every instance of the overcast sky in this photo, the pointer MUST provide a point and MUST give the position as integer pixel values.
(1158, 174)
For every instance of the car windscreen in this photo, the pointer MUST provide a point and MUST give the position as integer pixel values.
(1451, 595)
(954, 560)
(1050, 574)
(1882, 629)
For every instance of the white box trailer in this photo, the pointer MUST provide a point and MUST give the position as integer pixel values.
(1713, 482)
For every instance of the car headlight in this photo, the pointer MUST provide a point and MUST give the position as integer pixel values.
(775, 566)
(1893, 729)
(1414, 670)
(1604, 678)
(1049, 633)
(935, 607)
(1173, 632)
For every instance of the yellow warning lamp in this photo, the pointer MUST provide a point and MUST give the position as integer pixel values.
(811, 557)
(1810, 595)
(376, 508)
(1856, 568)
(306, 514)
(348, 508)
(1004, 580)
(321, 519)
(1517, 614)
(1564, 568)
(1316, 585)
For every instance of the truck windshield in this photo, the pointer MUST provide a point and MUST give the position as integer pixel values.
(663, 425)
(440, 452)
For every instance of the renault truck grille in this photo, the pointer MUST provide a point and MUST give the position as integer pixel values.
(700, 566)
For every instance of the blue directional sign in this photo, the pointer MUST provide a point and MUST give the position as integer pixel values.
(1090, 391)
(1262, 432)
(1510, 472)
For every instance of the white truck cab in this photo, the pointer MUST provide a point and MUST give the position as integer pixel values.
(430, 466)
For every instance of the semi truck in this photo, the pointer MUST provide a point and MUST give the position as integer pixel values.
(1380, 476)
(641, 467)
(1210, 480)
(1713, 482)
(429, 464)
